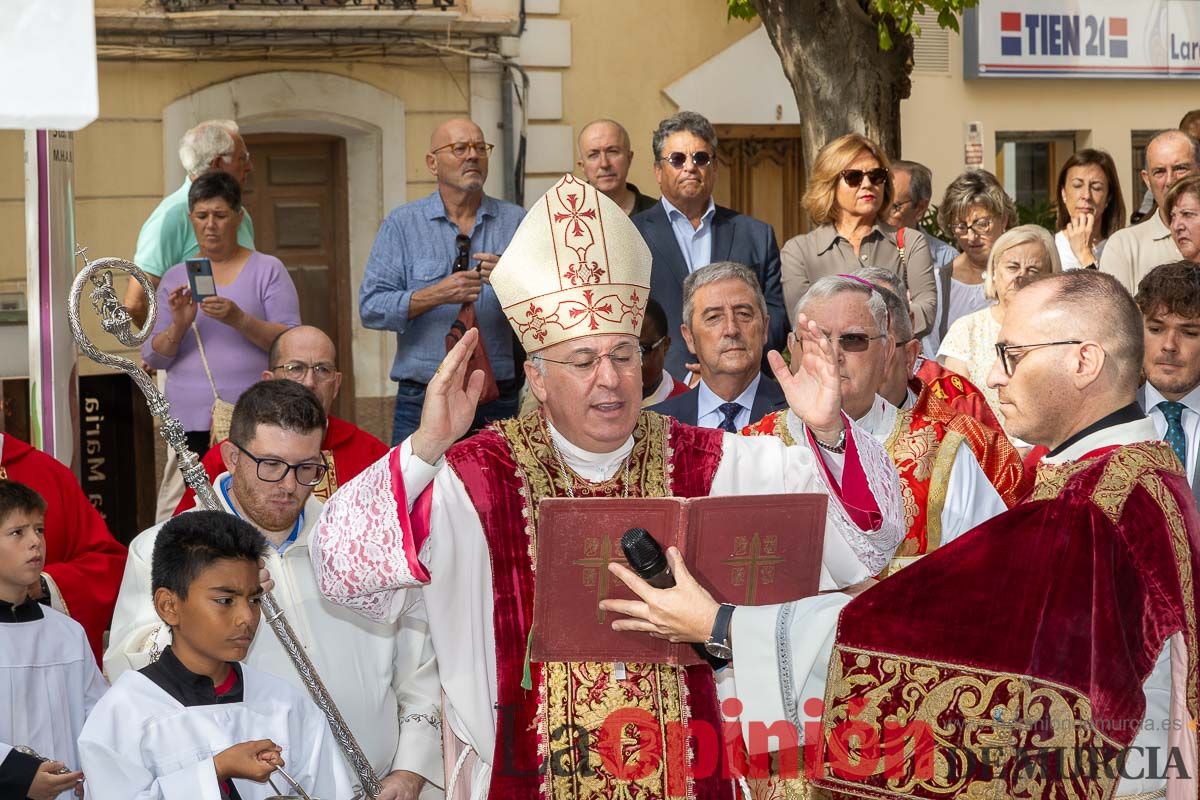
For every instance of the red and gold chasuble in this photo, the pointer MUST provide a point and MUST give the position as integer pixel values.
(1006, 710)
(955, 391)
(552, 740)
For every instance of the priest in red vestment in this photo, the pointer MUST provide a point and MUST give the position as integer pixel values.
(308, 356)
(954, 390)
(1052, 652)
(84, 563)
(573, 283)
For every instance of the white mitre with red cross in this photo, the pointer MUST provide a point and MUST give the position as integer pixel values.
(576, 267)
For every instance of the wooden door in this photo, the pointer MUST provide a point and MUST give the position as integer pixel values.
(762, 174)
(297, 198)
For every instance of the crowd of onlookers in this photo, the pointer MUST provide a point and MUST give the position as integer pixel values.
(912, 293)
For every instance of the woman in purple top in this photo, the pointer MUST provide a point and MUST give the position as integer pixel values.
(256, 301)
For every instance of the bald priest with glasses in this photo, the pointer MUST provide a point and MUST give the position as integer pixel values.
(382, 676)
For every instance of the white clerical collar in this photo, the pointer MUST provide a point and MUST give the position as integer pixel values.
(1139, 430)
(588, 465)
(1154, 397)
(665, 384)
(708, 401)
(880, 419)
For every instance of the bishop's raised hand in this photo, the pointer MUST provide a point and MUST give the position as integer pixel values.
(450, 402)
(814, 390)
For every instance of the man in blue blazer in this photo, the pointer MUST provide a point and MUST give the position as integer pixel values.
(726, 323)
(686, 230)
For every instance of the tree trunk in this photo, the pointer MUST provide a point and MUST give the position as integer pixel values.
(843, 81)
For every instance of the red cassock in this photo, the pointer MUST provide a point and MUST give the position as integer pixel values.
(1105, 572)
(347, 448)
(955, 391)
(82, 557)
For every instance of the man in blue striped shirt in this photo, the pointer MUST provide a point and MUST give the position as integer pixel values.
(411, 285)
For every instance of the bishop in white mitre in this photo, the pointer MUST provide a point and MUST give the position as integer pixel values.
(573, 284)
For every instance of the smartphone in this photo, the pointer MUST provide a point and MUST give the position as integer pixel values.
(200, 279)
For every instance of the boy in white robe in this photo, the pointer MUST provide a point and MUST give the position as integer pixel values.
(196, 724)
(48, 674)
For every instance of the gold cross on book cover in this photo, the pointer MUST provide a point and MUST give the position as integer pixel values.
(746, 550)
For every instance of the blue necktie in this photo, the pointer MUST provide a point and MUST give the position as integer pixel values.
(730, 410)
(1173, 413)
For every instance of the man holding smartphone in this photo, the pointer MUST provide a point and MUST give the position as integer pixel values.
(431, 256)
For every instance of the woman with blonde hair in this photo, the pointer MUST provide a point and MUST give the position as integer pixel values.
(848, 192)
(1019, 256)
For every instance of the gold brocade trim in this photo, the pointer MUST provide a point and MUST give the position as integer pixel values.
(581, 696)
(939, 486)
(1183, 561)
(329, 484)
(962, 709)
(1051, 479)
(1127, 466)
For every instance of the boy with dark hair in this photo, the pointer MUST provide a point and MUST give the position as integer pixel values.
(47, 670)
(195, 723)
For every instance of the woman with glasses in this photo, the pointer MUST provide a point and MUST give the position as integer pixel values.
(851, 185)
(1017, 257)
(216, 345)
(1090, 208)
(975, 210)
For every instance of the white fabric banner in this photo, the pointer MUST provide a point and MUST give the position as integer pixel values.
(48, 58)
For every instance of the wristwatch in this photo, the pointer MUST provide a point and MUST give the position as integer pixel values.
(718, 641)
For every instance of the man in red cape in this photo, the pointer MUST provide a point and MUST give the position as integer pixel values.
(307, 355)
(1051, 652)
(84, 562)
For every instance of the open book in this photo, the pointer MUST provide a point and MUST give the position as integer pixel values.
(745, 549)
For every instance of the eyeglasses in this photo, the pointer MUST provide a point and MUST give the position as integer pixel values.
(296, 370)
(898, 206)
(461, 149)
(624, 358)
(848, 342)
(1010, 362)
(272, 470)
(700, 158)
(647, 349)
(982, 226)
(462, 261)
(854, 177)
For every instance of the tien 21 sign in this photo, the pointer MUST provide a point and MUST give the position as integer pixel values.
(1082, 39)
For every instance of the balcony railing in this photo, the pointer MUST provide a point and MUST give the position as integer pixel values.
(177, 6)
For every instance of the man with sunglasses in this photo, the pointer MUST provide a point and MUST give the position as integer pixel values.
(383, 676)
(1073, 614)
(946, 492)
(430, 257)
(306, 355)
(686, 230)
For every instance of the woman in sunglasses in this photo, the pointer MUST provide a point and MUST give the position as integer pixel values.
(850, 188)
(1018, 257)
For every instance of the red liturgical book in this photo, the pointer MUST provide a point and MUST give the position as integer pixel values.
(746, 550)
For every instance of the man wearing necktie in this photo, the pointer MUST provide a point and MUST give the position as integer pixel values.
(1169, 297)
(725, 325)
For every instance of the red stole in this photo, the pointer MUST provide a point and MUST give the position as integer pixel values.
(1040, 626)
(506, 468)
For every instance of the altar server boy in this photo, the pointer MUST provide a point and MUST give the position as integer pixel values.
(195, 723)
(48, 674)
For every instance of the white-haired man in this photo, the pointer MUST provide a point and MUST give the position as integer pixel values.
(167, 238)
(573, 285)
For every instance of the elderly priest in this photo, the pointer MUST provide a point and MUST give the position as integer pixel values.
(573, 284)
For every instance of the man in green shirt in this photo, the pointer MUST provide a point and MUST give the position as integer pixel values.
(167, 237)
